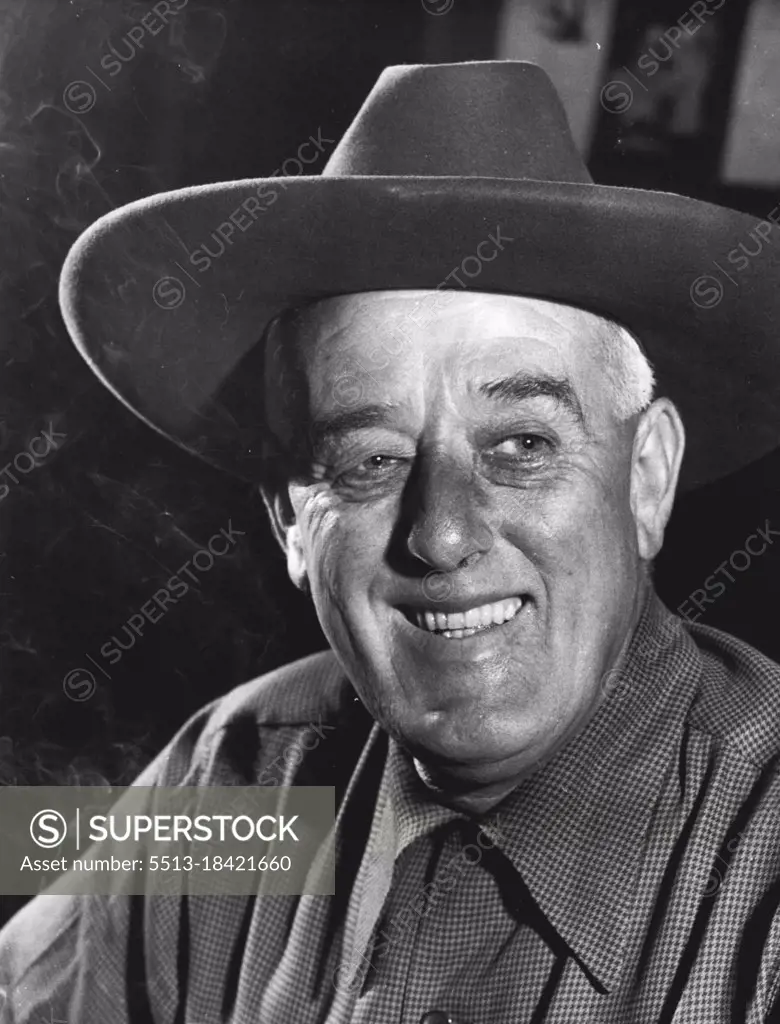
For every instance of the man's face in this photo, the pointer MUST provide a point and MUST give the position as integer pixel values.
(466, 524)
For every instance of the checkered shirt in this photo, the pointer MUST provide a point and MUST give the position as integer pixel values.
(633, 878)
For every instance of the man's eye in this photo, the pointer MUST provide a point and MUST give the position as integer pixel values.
(522, 446)
(371, 470)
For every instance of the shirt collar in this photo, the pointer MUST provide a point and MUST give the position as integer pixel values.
(576, 829)
(414, 812)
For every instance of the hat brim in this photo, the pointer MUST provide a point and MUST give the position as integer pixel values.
(164, 318)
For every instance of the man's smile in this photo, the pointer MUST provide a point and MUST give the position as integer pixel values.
(458, 625)
(482, 629)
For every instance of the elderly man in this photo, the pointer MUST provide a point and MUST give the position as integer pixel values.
(556, 801)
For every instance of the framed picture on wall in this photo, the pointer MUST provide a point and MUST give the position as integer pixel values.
(665, 97)
(751, 155)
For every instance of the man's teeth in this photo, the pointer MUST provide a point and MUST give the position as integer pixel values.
(463, 624)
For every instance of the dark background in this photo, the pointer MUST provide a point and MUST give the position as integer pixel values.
(229, 90)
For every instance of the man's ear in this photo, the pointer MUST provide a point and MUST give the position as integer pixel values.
(659, 444)
(287, 532)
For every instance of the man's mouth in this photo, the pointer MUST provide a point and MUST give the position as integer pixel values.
(459, 625)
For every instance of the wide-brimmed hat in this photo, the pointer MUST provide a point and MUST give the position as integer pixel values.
(168, 297)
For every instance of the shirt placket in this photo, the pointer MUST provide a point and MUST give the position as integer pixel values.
(390, 963)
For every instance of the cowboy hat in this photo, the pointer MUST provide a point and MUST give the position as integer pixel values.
(168, 297)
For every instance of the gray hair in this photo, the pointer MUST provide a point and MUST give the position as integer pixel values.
(630, 377)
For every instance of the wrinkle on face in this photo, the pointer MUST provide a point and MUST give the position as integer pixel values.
(452, 378)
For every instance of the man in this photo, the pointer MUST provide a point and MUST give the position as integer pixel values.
(556, 801)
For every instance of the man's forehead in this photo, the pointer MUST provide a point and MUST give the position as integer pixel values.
(416, 314)
(403, 348)
(385, 346)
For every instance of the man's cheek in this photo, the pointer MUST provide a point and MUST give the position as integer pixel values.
(545, 528)
(342, 556)
(589, 516)
(317, 518)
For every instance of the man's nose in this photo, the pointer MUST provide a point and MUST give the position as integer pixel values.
(447, 511)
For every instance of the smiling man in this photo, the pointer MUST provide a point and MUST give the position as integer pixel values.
(556, 801)
(499, 447)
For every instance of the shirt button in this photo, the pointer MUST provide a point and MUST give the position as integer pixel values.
(435, 1017)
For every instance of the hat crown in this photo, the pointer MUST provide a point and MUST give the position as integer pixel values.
(493, 119)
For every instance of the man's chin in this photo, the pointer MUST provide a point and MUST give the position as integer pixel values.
(474, 751)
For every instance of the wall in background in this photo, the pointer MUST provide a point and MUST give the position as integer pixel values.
(752, 153)
(571, 41)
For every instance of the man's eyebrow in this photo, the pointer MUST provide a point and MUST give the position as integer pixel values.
(337, 424)
(521, 386)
